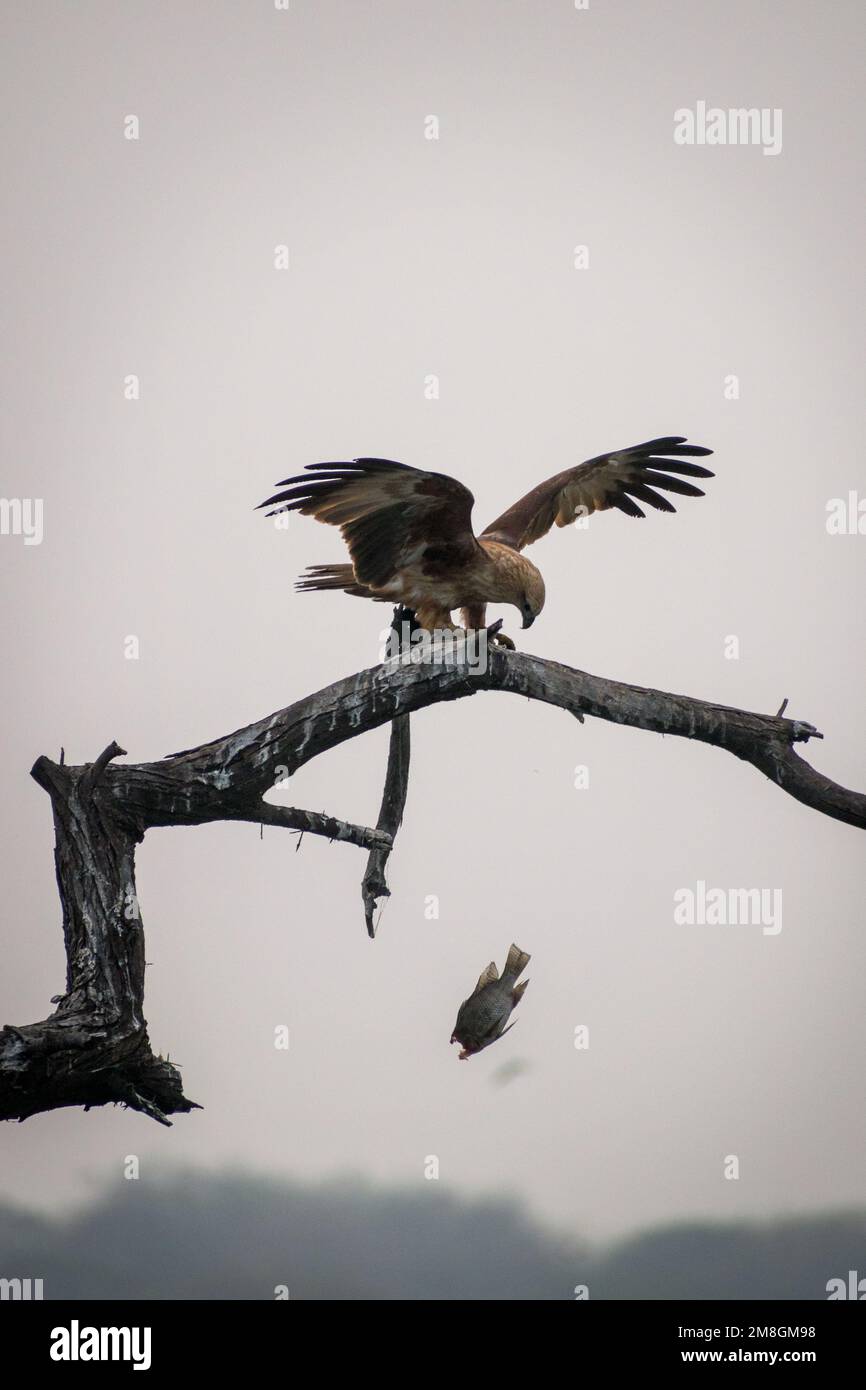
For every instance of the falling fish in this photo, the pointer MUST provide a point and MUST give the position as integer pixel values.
(482, 1017)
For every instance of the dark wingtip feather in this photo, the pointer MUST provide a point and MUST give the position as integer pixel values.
(678, 465)
(342, 471)
(643, 493)
(671, 483)
(664, 441)
(625, 504)
(334, 475)
(289, 499)
(675, 444)
(385, 464)
(686, 450)
(305, 489)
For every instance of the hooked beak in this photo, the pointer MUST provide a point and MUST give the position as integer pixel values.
(528, 618)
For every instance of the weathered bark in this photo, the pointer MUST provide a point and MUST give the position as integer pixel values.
(95, 1048)
(390, 819)
(396, 789)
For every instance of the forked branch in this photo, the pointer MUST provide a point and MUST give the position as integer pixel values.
(94, 1048)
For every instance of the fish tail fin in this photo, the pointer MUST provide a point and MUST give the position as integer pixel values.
(518, 992)
(517, 961)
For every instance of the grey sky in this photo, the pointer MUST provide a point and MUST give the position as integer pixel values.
(452, 257)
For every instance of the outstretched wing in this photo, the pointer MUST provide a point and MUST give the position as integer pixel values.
(391, 516)
(621, 479)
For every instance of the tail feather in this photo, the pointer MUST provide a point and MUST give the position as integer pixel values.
(332, 577)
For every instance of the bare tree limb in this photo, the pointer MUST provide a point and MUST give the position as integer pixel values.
(390, 819)
(265, 813)
(94, 1049)
(373, 885)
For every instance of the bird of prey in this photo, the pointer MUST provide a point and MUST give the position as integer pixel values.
(410, 537)
(482, 1017)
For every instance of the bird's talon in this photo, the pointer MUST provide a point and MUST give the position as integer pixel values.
(497, 636)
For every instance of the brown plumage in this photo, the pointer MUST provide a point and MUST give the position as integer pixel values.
(410, 537)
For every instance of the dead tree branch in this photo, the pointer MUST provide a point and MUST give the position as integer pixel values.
(390, 819)
(373, 885)
(94, 1048)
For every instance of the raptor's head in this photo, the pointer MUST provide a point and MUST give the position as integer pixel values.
(511, 578)
(532, 597)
